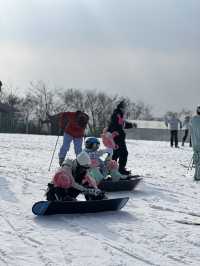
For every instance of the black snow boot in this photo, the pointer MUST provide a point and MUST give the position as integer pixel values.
(50, 193)
(60, 193)
(124, 172)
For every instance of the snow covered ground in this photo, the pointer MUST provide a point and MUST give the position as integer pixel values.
(150, 230)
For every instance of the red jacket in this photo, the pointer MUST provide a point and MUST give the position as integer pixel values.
(71, 123)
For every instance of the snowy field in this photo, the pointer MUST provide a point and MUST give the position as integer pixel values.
(151, 229)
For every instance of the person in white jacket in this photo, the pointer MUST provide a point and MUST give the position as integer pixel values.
(173, 122)
(195, 135)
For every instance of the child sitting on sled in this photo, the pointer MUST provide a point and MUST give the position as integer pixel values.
(100, 169)
(71, 179)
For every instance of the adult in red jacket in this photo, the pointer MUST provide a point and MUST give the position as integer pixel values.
(73, 124)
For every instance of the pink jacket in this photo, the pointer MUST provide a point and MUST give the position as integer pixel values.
(108, 139)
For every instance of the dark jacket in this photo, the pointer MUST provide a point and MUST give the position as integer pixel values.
(117, 123)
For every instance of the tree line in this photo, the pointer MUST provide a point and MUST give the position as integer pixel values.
(37, 111)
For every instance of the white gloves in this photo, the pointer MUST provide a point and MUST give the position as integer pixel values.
(92, 191)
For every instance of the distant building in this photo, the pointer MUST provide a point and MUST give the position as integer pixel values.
(149, 130)
(149, 124)
(7, 118)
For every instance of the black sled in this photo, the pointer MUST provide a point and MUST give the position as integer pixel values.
(68, 207)
(121, 185)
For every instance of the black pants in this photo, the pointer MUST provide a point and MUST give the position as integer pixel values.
(174, 137)
(120, 154)
(57, 193)
(72, 192)
(185, 137)
(66, 194)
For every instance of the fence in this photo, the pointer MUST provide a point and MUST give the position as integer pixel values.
(151, 134)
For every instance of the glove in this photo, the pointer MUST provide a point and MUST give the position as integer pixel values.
(92, 191)
(128, 125)
(94, 194)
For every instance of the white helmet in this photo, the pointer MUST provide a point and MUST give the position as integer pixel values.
(83, 159)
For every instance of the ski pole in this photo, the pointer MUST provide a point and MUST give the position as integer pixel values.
(53, 153)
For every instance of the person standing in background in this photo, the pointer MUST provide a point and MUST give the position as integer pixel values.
(73, 124)
(173, 122)
(1, 84)
(118, 124)
(195, 135)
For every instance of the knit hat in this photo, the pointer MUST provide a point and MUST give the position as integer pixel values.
(122, 104)
(83, 159)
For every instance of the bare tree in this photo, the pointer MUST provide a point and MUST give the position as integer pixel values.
(138, 110)
(91, 105)
(71, 99)
(27, 108)
(106, 105)
(185, 112)
(99, 106)
(45, 105)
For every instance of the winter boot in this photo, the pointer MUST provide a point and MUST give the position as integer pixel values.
(116, 175)
(124, 172)
(50, 193)
(60, 193)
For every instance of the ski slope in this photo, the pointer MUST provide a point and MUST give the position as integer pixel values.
(158, 226)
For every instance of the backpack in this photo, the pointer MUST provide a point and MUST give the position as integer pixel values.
(82, 119)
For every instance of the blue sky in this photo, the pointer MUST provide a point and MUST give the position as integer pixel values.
(147, 50)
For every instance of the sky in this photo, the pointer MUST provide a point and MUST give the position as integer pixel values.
(146, 50)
